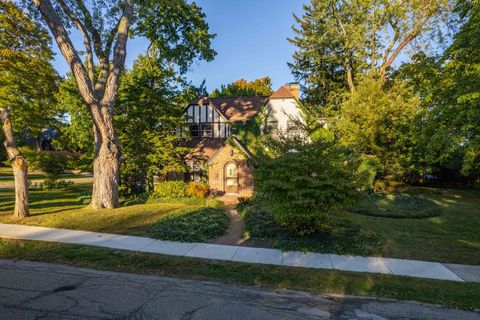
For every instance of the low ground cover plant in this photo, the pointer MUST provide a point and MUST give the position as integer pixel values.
(342, 236)
(396, 206)
(191, 225)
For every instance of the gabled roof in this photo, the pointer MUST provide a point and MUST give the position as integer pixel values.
(282, 93)
(208, 148)
(235, 109)
(205, 147)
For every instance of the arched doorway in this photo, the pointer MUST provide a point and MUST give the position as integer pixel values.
(231, 177)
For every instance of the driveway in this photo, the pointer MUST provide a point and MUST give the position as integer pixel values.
(31, 290)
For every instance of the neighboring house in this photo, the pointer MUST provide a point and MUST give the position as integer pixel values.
(218, 156)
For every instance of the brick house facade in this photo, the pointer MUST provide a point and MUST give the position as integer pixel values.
(218, 156)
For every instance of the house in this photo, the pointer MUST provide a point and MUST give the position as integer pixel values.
(218, 157)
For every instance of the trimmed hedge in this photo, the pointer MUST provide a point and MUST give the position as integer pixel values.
(171, 189)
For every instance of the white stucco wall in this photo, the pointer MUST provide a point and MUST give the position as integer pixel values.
(282, 110)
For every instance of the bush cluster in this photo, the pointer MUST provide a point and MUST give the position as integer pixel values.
(178, 191)
(50, 184)
(305, 184)
(389, 186)
(171, 189)
(197, 190)
(344, 238)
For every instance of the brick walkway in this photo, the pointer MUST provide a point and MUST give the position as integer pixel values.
(234, 235)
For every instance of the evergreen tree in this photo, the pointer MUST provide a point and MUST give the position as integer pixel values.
(340, 41)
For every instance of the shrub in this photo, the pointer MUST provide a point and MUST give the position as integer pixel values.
(389, 186)
(53, 164)
(397, 206)
(191, 225)
(344, 238)
(304, 222)
(50, 184)
(197, 190)
(366, 172)
(171, 190)
(208, 202)
(259, 222)
(305, 184)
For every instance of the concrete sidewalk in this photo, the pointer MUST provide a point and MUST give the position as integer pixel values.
(411, 268)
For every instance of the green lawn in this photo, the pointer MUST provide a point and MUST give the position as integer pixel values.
(453, 236)
(63, 209)
(6, 174)
(456, 294)
(450, 237)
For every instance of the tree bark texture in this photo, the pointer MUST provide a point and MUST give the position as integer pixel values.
(106, 167)
(99, 94)
(19, 166)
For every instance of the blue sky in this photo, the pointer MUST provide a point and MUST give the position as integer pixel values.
(251, 42)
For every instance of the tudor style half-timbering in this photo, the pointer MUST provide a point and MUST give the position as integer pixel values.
(218, 156)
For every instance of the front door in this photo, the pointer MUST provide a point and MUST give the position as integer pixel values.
(231, 178)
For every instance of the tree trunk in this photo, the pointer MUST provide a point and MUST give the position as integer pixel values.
(106, 164)
(19, 166)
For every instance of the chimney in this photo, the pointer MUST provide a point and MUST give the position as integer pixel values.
(294, 89)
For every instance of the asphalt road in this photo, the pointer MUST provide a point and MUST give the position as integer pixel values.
(31, 290)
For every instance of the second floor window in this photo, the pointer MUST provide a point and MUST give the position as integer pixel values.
(194, 130)
(292, 130)
(271, 126)
(207, 130)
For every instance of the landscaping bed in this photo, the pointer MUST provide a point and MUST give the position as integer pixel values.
(191, 225)
(344, 238)
(396, 206)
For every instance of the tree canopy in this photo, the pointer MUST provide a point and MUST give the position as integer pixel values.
(244, 88)
(449, 87)
(337, 41)
(28, 82)
(150, 112)
(177, 32)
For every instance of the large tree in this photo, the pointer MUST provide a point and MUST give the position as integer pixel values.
(176, 29)
(449, 86)
(27, 87)
(378, 121)
(337, 41)
(151, 101)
